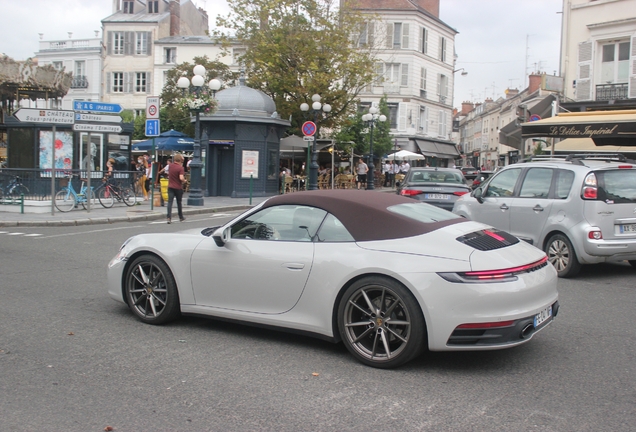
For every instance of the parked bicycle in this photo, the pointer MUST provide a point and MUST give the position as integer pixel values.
(108, 192)
(13, 189)
(67, 198)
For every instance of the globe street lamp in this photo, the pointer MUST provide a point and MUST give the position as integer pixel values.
(196, 103)
(372, 118)
(316, 108)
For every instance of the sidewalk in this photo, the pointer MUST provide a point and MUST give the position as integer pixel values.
(121, 213)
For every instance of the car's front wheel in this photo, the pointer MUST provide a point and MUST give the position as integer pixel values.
(381, 323)
(562, 256)
(151, 290)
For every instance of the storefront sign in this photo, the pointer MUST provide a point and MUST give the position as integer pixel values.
(249, 164)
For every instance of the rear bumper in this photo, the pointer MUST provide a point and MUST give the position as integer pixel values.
(597, 251)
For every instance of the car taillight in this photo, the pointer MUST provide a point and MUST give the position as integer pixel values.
(500, 275)
(460, 193)
(625, 166)
(590, 187)
(410, 192)
(595, 235)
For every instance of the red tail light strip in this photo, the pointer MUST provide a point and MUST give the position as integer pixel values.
(492, 274)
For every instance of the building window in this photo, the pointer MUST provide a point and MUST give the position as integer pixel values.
(153, 6)
(140, 82)
(129, 7)
(141, 43)
(79, 75)
(442, 88)
(442, 49)
(170, 55)
(118, 82)
(237, 54)
(423, 83)
(397, 36)
(80, 68)
(366, 35)
(423, 126)
(58, 65)
(118, 43)
(393, 115)
(615, 63)
(424, 41)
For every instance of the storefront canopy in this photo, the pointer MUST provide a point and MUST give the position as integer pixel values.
(171, 141)
(617, 128)
(442, 150)
(586, 145)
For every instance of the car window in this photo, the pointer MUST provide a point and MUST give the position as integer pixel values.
(503, 184)
(564, 184)
(536, 183)
(618, 185)
(280, 223)
(332, 230)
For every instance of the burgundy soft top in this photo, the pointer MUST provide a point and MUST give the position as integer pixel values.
(363, 213)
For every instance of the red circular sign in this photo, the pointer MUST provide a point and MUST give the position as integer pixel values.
(309, 128)
(152, 110)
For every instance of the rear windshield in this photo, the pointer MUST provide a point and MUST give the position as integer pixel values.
(423, 212)
(436, 177)
(617, 185)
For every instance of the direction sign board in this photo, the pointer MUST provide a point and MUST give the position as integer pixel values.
(102, 107)
(309, 128)
(152, 107)
(35, 115)
(87, 127)
(98, 118)
(152, 127)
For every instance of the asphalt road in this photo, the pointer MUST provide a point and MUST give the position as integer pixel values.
(72, 359)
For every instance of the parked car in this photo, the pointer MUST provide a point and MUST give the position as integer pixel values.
(579, 209)
(469, 172)
(440, 187)
(481, 177)
(388, 276)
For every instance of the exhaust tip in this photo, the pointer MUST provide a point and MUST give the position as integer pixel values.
(527, 331)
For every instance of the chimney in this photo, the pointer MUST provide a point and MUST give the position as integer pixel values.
(430, 6)
(467, 107)
(175, 18)
(510, 93)
(534, 83)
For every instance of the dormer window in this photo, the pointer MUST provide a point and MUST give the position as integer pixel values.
(153, 6)
(129, 7)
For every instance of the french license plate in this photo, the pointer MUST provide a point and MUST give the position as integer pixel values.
(438, 196)
(542, 316)
(631, 228)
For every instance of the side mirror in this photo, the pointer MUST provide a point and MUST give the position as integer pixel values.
(221, 236)
(477, 194)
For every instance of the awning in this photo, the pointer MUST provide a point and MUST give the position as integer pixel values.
(616, 128)
(294, 142)
(586, 145)
(437, 149)
(510, 134)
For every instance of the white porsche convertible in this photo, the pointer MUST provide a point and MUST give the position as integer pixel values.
(387, 276)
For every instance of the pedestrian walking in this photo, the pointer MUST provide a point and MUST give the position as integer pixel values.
(361, 171)
(176, 178)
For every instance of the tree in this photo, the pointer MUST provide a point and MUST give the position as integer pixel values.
(297, 48)
(172, 114)
(357, 131)
(139, 131)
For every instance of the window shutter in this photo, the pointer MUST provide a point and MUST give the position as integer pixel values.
(129, 41)
(129, 81)
(109, 80)
(109, 43)
(402, 116)
(439, 84)
(405, 36)
(445, 87)
(405, 75)
(631, 86)
(424, 41)
(149, 83)
(584, 72)
(149, 44)
(389, 36)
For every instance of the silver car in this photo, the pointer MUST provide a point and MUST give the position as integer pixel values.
(579, 210)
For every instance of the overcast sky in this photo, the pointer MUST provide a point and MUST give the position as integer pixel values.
(496, 40)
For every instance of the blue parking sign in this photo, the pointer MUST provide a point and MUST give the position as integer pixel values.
(152, 127)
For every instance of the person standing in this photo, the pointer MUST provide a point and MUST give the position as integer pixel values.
(361, 171)
(176, 178)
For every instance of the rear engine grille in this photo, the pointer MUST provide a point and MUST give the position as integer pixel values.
(486, 240)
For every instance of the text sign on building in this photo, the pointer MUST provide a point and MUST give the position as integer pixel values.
(152, 127)
(102, 107)
(152, 107)
(98, 118)
(87, 127)
(35, 115)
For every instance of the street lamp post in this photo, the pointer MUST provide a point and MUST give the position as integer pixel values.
(194, 86)
(372, 118)
(316, 108)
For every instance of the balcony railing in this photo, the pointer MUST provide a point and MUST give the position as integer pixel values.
(606, 92)
(79, 81)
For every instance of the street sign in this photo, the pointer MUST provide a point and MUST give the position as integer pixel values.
(152, 127)
(87, 127)
(309, 128)
(35, 115)
(535, 117)
(152, 107)
(98, 118)
(102, 107)
(308, 138)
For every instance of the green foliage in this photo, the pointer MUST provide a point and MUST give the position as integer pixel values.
(173, 114)
(357, 131)
(297, 48)
(139, 132)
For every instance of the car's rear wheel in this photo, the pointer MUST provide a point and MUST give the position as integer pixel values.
(381, 323)
(151, 290)
(562, 256)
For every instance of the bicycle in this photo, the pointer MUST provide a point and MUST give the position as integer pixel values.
(14, 189)
(67, 198)
(107, 192)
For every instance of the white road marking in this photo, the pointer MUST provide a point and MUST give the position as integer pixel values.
(15, 233)
(32, 235)
(93, 231)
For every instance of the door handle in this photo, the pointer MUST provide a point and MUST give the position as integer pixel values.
(504, 207)
(294, 266)
(537, 208)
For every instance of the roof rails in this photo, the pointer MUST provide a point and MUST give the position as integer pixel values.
(576, 158)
